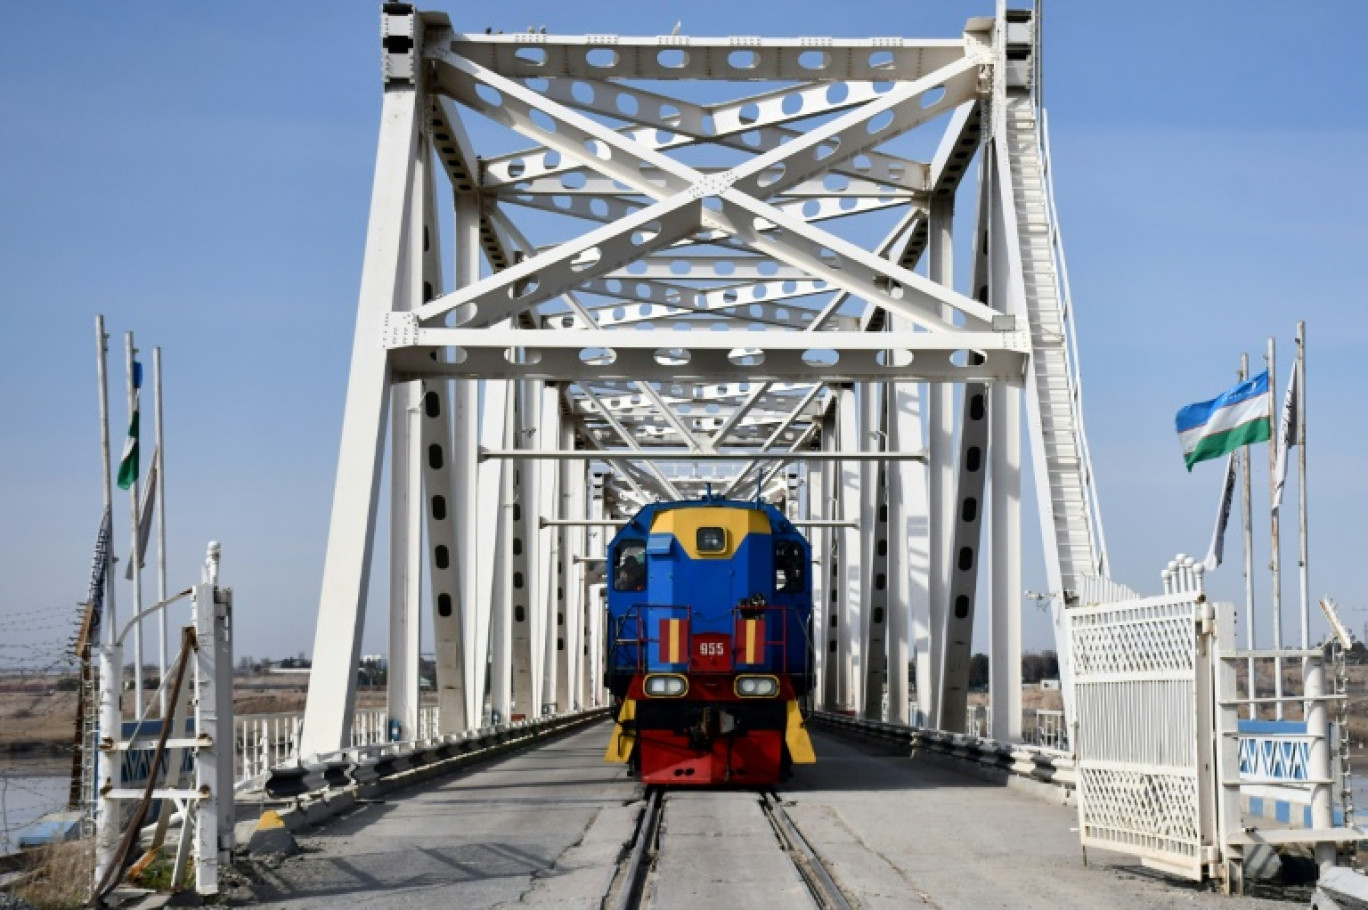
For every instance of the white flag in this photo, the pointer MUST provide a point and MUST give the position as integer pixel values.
(145, 509)
(1217, 550)
(1287, 434)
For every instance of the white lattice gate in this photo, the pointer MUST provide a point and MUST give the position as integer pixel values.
(1143, 694)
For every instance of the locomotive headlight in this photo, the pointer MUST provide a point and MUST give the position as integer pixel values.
(666, 685)
(757, 686)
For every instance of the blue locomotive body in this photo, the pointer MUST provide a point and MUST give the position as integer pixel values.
(709, 642)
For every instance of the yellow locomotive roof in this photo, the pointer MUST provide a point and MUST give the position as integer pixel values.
(684, 524)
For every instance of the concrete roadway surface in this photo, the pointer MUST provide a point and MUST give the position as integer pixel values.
(546, 828)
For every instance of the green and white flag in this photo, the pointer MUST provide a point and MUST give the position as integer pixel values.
(1235, 418)
(128, 464)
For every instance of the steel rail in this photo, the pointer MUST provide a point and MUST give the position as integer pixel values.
(810, 866)
(631, 881)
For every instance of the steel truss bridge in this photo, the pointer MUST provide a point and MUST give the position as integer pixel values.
(683, 263)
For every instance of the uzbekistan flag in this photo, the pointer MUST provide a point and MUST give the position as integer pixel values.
(1239, 417)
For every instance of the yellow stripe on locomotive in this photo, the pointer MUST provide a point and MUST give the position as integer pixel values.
(695, 530)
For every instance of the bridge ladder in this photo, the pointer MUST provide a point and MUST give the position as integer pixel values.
(1054, 361)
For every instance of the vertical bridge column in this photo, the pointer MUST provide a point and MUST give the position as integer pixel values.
(351, 531)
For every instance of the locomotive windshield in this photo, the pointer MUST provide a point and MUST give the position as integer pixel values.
(629, 566)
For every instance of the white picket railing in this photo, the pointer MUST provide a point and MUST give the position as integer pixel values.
(427, 722)
(1048, 731)
(1042, 727)
(262, 741)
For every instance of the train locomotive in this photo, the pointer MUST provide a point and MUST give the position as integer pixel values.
(709, 643)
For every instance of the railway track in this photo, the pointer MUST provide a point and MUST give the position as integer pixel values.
(638, 876)
(810, 866)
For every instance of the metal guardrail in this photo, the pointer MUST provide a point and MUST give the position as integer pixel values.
(1037, 763)
(364, 765)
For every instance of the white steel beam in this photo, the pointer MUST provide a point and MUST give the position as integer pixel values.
(461, 664)
(873, 520)
(346, 567)
(528, 636)
(752, 124)
(1005, 660)
(850, 624)
(909, 542)
(496, 498)
(940, 482)
(832, 613)
(814, 504)
(406, 487)
(970, 484)
(670, 57)
(595, 631)
(406, 558)
(782, 356)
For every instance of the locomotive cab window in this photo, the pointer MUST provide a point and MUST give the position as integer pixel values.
(629, 566)
(712, 540)
(788, 567)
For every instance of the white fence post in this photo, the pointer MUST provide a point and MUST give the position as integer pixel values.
(213, 717)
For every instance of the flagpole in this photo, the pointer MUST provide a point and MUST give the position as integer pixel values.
(111, 661)
(1274, 562)
(160, 493)
(129, 361)
(109, 619)
(1301, 487)
(1247, 520)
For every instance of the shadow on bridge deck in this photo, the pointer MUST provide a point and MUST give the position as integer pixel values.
(546, 827)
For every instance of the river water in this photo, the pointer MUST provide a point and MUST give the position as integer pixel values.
(28, 790)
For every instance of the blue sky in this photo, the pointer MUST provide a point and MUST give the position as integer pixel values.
(201, 173)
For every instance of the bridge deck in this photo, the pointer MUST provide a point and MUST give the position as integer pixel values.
(546, 828)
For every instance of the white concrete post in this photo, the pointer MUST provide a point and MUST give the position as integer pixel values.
(108, 821)
(1318, 727)
(214, 820)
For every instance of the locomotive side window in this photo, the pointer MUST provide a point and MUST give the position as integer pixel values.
(788, 567)
(629, 566)
(711, 540)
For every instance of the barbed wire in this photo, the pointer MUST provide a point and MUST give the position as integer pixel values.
(74, 612)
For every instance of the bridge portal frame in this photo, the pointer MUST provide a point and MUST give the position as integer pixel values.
(812, 341)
